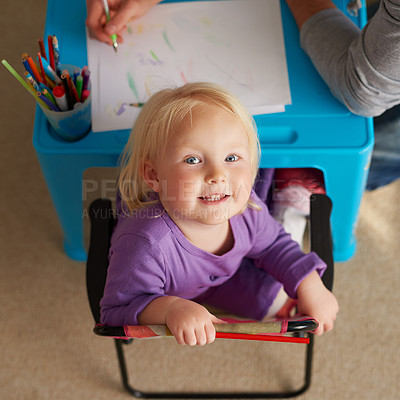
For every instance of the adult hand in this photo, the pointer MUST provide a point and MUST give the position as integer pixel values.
(121, 12)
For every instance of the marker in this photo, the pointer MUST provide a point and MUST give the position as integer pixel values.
(22, 82)
(85, 95)
(86, 77)
(113, 36)
(136, 104)
(61, 100)
(77, 72)
(79, 85)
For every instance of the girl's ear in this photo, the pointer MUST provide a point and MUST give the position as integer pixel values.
(149, 174)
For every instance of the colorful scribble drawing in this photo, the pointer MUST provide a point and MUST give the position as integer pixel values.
(176, 43)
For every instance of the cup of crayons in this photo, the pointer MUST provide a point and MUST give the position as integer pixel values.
(61, 90)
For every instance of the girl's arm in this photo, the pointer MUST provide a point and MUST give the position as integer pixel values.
(315, 300)
(189, 322)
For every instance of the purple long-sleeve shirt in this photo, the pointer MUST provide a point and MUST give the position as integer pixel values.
(150, 257)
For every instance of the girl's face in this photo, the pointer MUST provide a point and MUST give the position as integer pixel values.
(204, 176)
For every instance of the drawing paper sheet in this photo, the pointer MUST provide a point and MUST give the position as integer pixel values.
(235, 43)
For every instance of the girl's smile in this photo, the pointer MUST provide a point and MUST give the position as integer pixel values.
(215, 198)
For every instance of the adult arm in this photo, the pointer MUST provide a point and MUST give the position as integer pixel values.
(362, 68)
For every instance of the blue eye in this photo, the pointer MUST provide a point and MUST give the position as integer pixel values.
(232, 158)
(192, 160)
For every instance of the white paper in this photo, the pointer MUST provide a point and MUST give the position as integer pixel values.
(235, 43)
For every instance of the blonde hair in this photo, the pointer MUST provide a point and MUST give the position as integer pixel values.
(160, 117)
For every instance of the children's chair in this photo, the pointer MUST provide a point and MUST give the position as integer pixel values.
(102, 223)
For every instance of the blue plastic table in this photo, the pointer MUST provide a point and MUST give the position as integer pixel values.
(315, 131)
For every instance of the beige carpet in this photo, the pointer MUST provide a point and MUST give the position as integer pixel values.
(47, 350)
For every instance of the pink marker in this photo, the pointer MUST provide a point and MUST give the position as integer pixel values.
(85, 95)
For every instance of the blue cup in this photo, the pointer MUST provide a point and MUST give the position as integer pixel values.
(74, 124)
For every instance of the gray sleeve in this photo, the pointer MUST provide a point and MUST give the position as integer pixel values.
(362, 68)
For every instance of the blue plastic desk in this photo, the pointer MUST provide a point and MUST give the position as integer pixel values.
(315, 131)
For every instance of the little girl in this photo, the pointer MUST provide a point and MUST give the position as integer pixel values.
(191, 230)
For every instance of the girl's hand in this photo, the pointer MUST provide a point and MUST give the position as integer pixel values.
(191, 323)
(315, 300)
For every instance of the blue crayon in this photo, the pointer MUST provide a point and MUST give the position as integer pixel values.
(28, 68)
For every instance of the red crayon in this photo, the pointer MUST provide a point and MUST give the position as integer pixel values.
(68, 95)
(51, 54)
(34, 70)
(41, 67)
(42, 49)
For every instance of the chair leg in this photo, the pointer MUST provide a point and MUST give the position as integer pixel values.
(119, 343)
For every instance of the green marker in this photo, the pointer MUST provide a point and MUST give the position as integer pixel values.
(113, 36)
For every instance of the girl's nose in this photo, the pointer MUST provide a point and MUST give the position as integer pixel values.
(216, 175)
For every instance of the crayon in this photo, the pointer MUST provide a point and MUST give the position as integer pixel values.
(28, 68)
(43, 87)
(67, 93)
(79, 85)
(48, 102)
(34, 69)
(51, 52)
(61, 100)
(85, 95)
(75, 96)
(49, 96)
(42, 49)
(50, 83)
(71, 86)
(50, 72)
(56, 52)
(30, 79)
(41, 67)
(22, 82)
